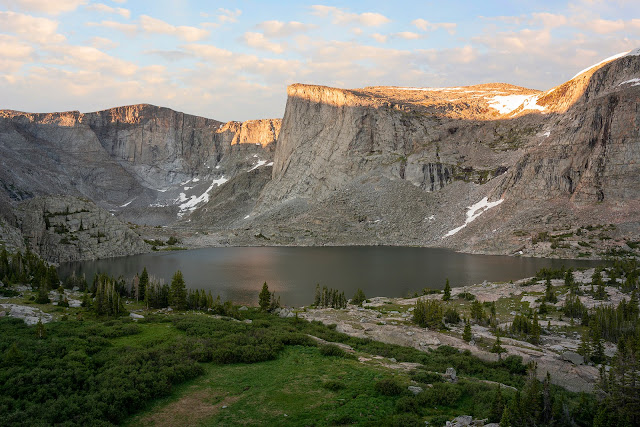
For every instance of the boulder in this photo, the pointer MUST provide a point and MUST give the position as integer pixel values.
(243, 308)
(415, 389)
(450, 375)
(573, 357)
(136, 316)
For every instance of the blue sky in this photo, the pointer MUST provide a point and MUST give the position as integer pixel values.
(232, 60)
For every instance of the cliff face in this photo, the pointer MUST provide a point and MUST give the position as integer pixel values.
(490, 168)
(64, 228)
(147, 164)
(559, 159)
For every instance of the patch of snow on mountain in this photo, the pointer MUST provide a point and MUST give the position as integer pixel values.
(508, 103)
(189, 204)
(632, 82)
(473, 212)
(257, 165)
(611, 58)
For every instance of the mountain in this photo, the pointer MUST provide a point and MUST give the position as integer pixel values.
(491, 168)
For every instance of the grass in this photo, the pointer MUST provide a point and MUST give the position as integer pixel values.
(287, 391)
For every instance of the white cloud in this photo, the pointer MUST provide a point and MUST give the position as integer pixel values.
(92, 59)
(100, 7)
(38, 30)
(379, 37)
(103, 43)
(128, 29)
(13, 53)
(273, 29)
(341, 16)
(425, 25)
(407, 35)
(227, 15)
(52, 7)
(604, 26)
(549, 20)
(260, 42)
(157, 26)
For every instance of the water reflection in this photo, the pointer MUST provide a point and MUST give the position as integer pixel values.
(238, 273)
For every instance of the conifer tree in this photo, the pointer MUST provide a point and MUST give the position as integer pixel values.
(264, 299)
(447, 291)
(144, 283)
(178, 292)
(466, 335)
(497, 406)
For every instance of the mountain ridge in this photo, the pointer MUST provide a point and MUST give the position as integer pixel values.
(377, 165)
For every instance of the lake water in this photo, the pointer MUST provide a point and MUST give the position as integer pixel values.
(237, 273)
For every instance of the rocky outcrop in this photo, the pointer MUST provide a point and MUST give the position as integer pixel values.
(65, 228)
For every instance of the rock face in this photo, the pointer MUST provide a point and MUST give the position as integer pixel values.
(414, 166)
(490, 168)
(65, 228)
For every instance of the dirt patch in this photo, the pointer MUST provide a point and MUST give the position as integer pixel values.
(190, 410)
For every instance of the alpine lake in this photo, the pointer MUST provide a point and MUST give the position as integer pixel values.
(237, 273)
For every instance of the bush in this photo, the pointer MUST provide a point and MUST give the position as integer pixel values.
(407, 420)
(359, 297)
(389, 387)
(428, 313)
(332, 350)
(466, 296)
(426, 377)
(334, 385)
(451, 316)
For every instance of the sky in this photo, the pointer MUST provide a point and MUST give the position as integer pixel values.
(232, 60)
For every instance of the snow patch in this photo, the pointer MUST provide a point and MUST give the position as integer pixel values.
(632, 82)
(162, 190)
(473, 212)
(187, 188)
(189, 204)
(257, 165)
(246, 217)
(196, 179)
(547, 133)
(217, 166)
(127, 204)
(611, 58)
(508, 103)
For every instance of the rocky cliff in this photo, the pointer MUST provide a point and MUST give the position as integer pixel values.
(490, 168)
(499, 168)
(146, 164)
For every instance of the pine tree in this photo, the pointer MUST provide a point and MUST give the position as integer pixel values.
(358, 298)
(466, 335)
(535, 330)
(549, 294)
(144, 283)
(497, 346)
(477, 312)
(264, 299)
(40, 330)
(447, 291)
(497, 406)
(318, 296)
(178, 292)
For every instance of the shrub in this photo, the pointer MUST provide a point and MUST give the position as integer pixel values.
(466, 296)
(359, 297)
(334, 385)
(406, 420)
(426, 377)
(389, 387)
(332, 350)
(451, 316)
(428, 313)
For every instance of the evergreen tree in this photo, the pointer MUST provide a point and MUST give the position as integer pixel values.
(466, 335)
(428, 313)
(477, 312)
(497, 346)
(549, 294)
(358, 298)
(40, 330)
(447, 291)
(144, 283)
(178, 292)
(43, 294)
(535, 330)
(318, 296)
(497, 406)
(264, 299)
